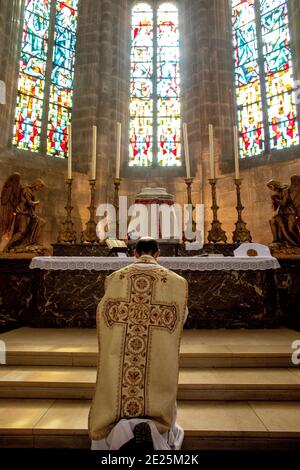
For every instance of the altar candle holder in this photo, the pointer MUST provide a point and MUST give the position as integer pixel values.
(67, 233)
(216, 233)
(189, 183)
(89, 234)
(241, 234)
(117, 182)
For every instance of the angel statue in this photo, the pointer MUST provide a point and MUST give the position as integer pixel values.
(285, 224)
(20, 227)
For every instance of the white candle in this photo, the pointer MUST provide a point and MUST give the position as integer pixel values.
(186, 150)
(118, 152)
(69, 131)
(236, 152)
(211, 151)
(94, 152)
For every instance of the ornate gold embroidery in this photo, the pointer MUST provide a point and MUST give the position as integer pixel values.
(139, 314)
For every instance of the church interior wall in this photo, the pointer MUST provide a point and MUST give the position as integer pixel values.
(101, 99)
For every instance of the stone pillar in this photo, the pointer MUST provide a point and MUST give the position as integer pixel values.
(100, 93)
(86, 84)
(106, 95)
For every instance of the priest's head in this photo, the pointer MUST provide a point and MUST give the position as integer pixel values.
(147, 246)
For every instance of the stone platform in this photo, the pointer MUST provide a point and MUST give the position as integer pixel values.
(237, 389)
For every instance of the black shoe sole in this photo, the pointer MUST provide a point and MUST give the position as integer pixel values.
(143, 436)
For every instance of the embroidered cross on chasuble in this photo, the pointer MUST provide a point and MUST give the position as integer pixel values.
(139, 323)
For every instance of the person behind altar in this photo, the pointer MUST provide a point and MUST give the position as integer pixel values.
(139, 324)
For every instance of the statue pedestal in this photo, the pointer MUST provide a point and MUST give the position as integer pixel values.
(285, 252)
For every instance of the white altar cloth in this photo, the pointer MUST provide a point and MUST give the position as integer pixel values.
(213, 263)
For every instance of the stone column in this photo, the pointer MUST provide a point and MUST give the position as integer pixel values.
(100, 93)
(86, 84)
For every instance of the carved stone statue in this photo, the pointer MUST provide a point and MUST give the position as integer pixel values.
(20, 226)
(285, 224)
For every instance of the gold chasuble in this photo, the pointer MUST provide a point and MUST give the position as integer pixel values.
(139, 322)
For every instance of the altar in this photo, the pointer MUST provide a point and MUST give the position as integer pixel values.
(224, 292)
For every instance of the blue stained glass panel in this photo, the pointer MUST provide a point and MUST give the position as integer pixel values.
(39, 7)
(248, 73)
(33, 66)
(245, 35)
(37, 25)
(242, 13)
(164, 86)
(65, 38)
(277, 39)
(31, 83)
(247, 78)
(278, 60)
(281, 107)
(273, 43)
(34, 45)
(64, 58)
(168, 88)
(268, 5)
(141, 88)
(142, 70)
(167, 69)
(66, 15)
(62, 77)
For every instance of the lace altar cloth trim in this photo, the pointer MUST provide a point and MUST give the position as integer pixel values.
(178, 263)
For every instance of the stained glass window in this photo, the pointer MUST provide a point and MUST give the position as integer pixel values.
(266, 108)
(42, 51)
(155, 124)
(62, 76)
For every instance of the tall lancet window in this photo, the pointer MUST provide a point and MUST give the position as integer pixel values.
(155, 123)
(266, 107)
(46, 74)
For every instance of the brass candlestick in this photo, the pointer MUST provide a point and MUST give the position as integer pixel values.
(117, 182)
(67, 233)
(189, 183)
(241, 233)
(89, 234)
(216, 233)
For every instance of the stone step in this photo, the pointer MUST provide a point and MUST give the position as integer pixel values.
(208, 359)
(194, 384)
(208, 425)
(199, 348)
